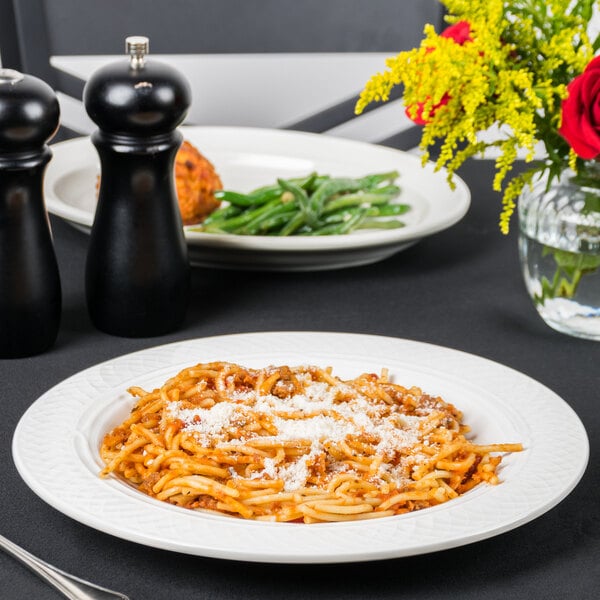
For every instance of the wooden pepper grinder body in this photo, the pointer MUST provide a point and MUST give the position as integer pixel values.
(30, 292)
(137, 270)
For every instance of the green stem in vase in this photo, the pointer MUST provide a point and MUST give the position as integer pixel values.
(570, 268)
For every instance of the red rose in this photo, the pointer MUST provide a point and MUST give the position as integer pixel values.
(459, 32)
(418, 116)
(581, 112)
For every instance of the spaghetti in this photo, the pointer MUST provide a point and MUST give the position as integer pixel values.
(296, 444)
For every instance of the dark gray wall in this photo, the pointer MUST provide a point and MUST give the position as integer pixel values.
(199, 26)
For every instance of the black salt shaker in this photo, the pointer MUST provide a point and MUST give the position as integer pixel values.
(137, 270)
(30, 292)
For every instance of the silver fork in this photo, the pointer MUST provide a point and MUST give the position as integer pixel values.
(72, 587)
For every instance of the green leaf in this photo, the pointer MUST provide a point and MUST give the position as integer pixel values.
(573, 260)
(591, 202)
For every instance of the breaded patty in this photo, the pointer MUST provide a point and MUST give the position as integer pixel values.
(196, 181)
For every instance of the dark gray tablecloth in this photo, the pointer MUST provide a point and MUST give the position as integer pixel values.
(461, 288)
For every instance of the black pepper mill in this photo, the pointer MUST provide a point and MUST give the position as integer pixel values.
(30, 294)
(137, 270)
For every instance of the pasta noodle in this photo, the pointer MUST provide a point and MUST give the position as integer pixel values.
(296, 444)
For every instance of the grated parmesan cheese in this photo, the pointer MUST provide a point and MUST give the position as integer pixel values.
(322, 415)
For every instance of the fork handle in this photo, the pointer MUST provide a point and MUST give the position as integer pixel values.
(69, 585)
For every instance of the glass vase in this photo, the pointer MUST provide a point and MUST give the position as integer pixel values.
(559, 248)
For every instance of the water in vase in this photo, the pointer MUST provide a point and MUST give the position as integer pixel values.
(564, 283)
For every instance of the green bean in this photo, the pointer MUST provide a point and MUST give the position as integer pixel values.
(387, 210)
(228, 225)
(222, 213)
(252, 199)
(307, 183)
(345, 226)
(272, 225)
(330, 188)
(263, 222)
(316, 181)
(298, 193)
(384, 210)
(293, 224)
(301, 197)
(352, 223)
(370, 181)
(392, 190)
(358, 199)
(234, 198)
(337, 217)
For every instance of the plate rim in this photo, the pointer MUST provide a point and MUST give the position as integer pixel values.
(307, 554)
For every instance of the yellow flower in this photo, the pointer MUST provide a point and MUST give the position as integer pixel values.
(512, 72)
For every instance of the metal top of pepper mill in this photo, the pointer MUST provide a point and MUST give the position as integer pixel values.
(29, 112)
(10, 76)
(137, 46)
(137, 97)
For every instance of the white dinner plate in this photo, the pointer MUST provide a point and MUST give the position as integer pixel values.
(247, 158)
(56, 450)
